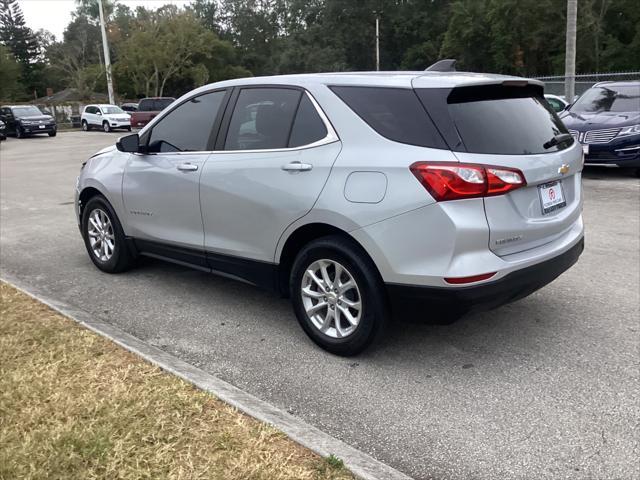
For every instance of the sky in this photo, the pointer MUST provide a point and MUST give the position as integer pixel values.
(55, 15)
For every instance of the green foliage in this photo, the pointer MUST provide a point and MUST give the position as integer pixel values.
(9, 74)
(170, 50)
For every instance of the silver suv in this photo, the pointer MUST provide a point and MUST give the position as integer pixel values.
(362, 196)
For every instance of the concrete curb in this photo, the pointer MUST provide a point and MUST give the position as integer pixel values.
(359, 463)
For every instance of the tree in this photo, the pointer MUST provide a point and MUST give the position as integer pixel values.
(468, 36)
(21, 42)
(165, 45)
(9, 74)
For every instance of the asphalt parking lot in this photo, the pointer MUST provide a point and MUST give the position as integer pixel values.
(548, 387)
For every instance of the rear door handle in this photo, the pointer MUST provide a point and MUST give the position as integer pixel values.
(187, 167)
(297, 167)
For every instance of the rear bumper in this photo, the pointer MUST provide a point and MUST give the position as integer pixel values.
(409, 300)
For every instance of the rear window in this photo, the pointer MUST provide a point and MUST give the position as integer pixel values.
(395, 113)
(506, 120)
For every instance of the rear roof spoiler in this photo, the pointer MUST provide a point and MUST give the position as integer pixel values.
(446, 65)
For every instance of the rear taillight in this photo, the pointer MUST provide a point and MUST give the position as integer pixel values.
(454, 181)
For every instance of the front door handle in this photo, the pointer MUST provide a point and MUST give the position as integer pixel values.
(187, 167)
(297, 167)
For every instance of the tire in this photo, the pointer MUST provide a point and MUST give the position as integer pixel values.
(19, 133)
(121, 258)
(85, 126)
(372, 317)
(106, 127)
(128, 129)
(53, 134)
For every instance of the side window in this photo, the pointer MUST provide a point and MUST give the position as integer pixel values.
(145, 105)
(395, 113)
(262, 119)
(188, 127)
(308, 127)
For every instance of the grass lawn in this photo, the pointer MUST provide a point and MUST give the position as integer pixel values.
(73, 405)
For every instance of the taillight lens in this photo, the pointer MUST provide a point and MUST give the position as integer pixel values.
(454, 181)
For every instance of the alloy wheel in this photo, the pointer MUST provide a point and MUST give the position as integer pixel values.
(101, 235)
(331, 298)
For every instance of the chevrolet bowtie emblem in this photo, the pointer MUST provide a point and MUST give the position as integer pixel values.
(564, 168)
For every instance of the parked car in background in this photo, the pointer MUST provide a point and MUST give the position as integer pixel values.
(557, 103)
(341, 192)
(3, 135)
(606, 121)
(105, 117)
(148, 108)
(25, 120)
(129, 107)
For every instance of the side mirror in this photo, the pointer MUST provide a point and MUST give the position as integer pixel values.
(129, 143)
(98, 112)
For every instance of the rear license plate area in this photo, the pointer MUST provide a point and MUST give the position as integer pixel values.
(551, 197)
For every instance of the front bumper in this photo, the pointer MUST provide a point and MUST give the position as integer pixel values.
(31, 129)
(447, 303)
(623, 151)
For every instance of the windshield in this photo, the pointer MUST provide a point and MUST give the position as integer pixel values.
(114, 109)
(608, 99)
(26, 111)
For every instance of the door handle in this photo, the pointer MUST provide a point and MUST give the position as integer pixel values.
(297, 167)
(187, 167)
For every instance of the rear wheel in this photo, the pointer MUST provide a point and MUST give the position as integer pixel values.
(85, 126)
(104, 237)
(338, 295)
(106, 127)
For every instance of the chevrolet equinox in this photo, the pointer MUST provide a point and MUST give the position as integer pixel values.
(362, 196)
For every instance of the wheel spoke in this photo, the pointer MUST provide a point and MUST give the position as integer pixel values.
(326, 324)
(325, 275)
(318, 306)
(355, 304)
(311, 293)
(317, 280)
(347, 314)
(349, 284)
(339, 331)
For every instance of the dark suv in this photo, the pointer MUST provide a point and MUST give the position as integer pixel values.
(26, 120)
(606, 121)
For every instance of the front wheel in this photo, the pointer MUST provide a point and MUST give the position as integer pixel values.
(19, 132)
(53, 134)
(104, 237)
(338, 295)
(106, 127)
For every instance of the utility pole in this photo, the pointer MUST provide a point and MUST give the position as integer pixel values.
(107, 58)
(377, 41)
(570, 53)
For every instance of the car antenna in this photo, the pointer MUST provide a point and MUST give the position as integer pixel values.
(446, 65)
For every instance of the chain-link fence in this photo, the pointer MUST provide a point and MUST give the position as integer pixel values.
(555, 85)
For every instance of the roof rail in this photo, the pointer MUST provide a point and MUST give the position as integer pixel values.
(447, 65)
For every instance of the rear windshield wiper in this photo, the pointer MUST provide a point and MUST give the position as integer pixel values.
(561, 138)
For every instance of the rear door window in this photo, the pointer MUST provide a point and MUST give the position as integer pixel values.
(498, 119)
(308, 127)
(262, 119)
(395, 113)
